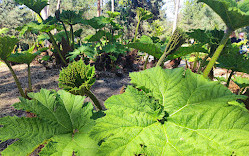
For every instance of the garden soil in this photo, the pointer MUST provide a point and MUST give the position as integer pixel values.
(107, 84)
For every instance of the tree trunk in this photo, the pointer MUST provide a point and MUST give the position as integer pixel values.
(113, 5)
(58, 5)
(176, 15)
(99, 9)
(45, 12)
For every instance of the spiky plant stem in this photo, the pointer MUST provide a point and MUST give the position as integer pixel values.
(55, 44)
(16, 79)
(29, 79)
(146, 62)
(72, 35)
(217, 53)
(136, 32)
(93, 98)
(229, 78)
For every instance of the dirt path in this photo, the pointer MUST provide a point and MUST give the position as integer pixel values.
(106, 85)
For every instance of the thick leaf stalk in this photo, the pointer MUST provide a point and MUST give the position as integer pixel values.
(29, 79)
(229, 78)
(94, 99)
(72, 36)
(217, 53)
(55, 44)
(56, 47)
(18, 84)
(136, 32)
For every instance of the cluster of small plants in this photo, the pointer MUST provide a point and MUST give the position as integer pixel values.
(179, 111)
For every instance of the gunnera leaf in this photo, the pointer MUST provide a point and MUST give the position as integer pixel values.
(235, 15)
(76, 77)
(146, 44)
(7, 45)
(35, 5)
(242, 82)
(62, 123)
(173, 112)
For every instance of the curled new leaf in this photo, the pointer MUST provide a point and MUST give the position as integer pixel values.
(77, 77)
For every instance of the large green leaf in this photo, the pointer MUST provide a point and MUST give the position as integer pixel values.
(114, 48)
(35, 5)
(7, 45)
(230, 58)
(146, 45)
(235, 16)
(143, 14)
(97, 36)
(98, 22)
(63, 122)
(173, 112)
(25, 56)
(36, 27)
(4, 30)
(86, 49)
(242, 82)
(183, 51)
(71, 17)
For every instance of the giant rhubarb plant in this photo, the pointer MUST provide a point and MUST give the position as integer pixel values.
(62, 125)
(37, 6)
(235, 15)
(175, 112)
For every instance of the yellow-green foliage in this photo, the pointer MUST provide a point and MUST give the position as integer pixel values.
(7, 45)
(77, 76)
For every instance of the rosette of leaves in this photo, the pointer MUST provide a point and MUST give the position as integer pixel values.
(7, 45)
(235, 15)
(176, 112)
(77, 78)
(62, 125)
